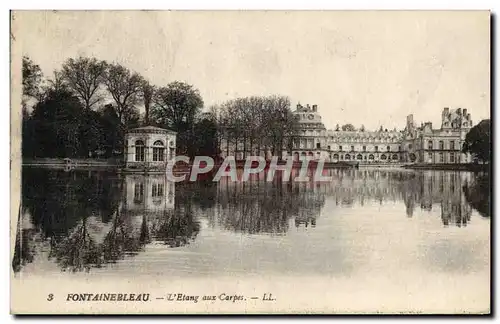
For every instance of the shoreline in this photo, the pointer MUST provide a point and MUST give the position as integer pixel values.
(472, 167)
(118, 165)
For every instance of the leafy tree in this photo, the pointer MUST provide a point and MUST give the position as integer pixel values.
(32, 77)
(131, 118)
(84, 76)
(124, 86)
(90, 133)
(205, 142)
(147, 93)
(348, 127)
(28, 139)
(112, 130)
(478, 141)
(56, 121)
(176, 106)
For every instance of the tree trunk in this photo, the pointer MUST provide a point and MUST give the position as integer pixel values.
(146, 116)
(244, 146)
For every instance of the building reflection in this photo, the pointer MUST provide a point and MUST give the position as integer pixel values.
(149, 194)
(426, 190)
(443, 190)
(151, 204)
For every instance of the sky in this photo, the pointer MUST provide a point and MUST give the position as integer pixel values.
(360, 67)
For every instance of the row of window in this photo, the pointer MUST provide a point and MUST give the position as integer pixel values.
(157, 191)
(369, 139)
(157, 143)
(360, 157)
(158, 154)
(441, 157)
(430, 145)
(158, 151)
(364, 148)
(352, 139)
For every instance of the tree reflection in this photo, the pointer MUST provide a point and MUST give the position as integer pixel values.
(60, 206)
(24, 249)
(176, 228)
(259, 206)
(78, 251)
(122, 239)
(478, 193)
(58, 200)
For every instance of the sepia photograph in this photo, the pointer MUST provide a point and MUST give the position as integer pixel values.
(250, 162)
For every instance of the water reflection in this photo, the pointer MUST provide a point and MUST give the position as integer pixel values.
(478, 194)
(266, 207)
(85, 220)
(427, 190)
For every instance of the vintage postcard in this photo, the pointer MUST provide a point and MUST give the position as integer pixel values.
(250, 162)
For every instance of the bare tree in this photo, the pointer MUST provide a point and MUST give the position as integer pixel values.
(84, 77)
(258, 123)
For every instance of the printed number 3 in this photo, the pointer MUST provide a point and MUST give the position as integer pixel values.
(50, 297)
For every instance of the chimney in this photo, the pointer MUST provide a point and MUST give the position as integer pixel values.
(315, 108)
(459, 111)
(465, 112)
(446, 111)
(468, 116)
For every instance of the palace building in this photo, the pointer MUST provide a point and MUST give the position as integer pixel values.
(412, 144)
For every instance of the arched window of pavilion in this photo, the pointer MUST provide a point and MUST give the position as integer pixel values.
(158, 151)
(139, 150)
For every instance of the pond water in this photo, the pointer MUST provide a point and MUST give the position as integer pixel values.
(404, 223)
